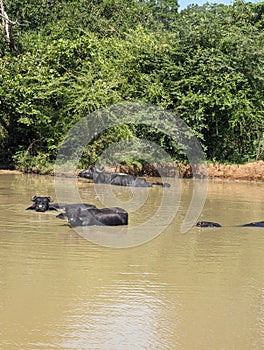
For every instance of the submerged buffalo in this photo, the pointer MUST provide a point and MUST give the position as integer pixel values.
(42, 203)
(100, 176)
(215, 224)
(207, 224)
(78, 216)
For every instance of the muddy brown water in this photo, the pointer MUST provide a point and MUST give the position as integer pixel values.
(203, 289)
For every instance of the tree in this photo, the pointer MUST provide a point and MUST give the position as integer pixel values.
(7, 27)
(164, 11)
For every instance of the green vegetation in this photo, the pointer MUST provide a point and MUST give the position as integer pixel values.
(66, 59)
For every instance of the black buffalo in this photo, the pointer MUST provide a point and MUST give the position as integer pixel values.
(215, 224)
(94, 216)
(82, 206)
(99, 176)
(208, 224)
(254, 224)
(42, 203)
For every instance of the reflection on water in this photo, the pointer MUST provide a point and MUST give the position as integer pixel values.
(199, 290)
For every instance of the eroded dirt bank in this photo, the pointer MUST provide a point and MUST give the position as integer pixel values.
(247, 172)
(7, 171)
(250, 171)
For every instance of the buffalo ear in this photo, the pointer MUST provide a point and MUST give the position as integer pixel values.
(50, 199)
(33, 198)
(31, 207)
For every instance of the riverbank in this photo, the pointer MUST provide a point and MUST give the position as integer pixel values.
(249, 172)
(253, 171)
(7, 171)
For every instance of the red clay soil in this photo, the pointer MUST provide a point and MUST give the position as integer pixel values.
(6, 171)
(245, 172)
(249, 171)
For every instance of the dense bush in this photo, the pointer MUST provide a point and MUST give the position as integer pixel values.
(70, 58)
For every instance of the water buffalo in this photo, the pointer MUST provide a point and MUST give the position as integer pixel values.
(82, 206)
(208, 224)
(42, 204)
(98, 175)
(254, 224)
(215, 224)
(94, 216)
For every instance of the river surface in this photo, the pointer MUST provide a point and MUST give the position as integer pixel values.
(202, 289)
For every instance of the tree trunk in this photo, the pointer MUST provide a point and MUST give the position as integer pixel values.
(7, 27)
